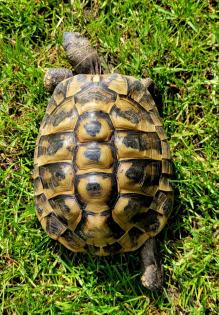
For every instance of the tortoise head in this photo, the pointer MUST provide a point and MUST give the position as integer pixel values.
(81, 54)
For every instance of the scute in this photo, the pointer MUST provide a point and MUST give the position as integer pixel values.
(102, 165)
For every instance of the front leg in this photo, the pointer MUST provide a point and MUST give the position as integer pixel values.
(54, 76)
(152, 276)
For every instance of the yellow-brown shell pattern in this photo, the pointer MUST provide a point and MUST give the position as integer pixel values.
(102, 165)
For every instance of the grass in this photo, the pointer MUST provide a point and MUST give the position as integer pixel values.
(173, 42)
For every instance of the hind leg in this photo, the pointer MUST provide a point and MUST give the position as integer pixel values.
(152, 276)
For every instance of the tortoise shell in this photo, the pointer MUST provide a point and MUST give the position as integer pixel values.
(102, 165)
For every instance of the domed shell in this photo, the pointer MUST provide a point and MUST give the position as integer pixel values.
(102, 165)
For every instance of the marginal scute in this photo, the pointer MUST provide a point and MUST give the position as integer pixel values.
(60, 92)
(38, 186)
(163, 202)
(147, 102)
(165, 150)
(112, 249)
(50, 108)
(70, 240)
(102, 165)
(42, 206)
(166, 167)
(53, 226)
(164, 184)
(161, 133)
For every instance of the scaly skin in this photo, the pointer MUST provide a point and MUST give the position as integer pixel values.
(81, 54)
(152, 276)
(54, 76)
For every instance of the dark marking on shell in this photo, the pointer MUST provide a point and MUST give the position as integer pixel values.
(93, 127)
(134, 85)
(92, 249)
(37, 183)
(113, 248)
(166, 199)
(114, 192)
(146, 98)
(54, 145)
(79, 231)
(39, 210)
(62, 219)
(59, 175)
(93, 116)
(90, 212)
(95, 92)
(105, 213)
(45, 120)
(153, 177)
(148, 221)
(72, 239)
(138, 174)
(59, 202)
(60, 90)
(56, 171)
(68, 235)
(53, 225)
(93, 153)
(39, 201)
(131, 141)
(94, 189)
(168, 207)
(41, 150)
(137, 203)
(127, 114)
(117, 231)
(51, 144)
(57, 118)
(134, 234)
(142, 141)
(136, 171)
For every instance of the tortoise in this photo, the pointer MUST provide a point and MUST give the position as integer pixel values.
(102, 163)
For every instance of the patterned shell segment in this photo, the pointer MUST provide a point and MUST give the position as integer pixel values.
(102, 165)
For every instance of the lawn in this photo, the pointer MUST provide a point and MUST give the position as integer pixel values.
(176, 44)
